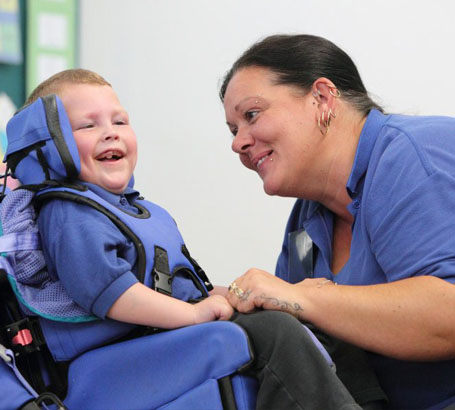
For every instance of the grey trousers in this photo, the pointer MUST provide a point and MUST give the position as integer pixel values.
(292, 372)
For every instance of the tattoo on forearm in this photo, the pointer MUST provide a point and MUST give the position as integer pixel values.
(284, 305)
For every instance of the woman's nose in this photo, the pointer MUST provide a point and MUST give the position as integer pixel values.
(241, 142)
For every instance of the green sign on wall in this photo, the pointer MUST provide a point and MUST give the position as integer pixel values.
(51, 39)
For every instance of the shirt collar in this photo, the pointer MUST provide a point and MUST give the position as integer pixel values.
(370, 130)
(130, 194)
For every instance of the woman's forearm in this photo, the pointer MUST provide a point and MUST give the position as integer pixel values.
(411, 319)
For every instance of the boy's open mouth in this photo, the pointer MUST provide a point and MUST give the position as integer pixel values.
(111, 155)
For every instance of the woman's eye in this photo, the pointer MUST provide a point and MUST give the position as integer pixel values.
(250, 115)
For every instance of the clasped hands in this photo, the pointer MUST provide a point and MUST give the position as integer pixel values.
(258, 289)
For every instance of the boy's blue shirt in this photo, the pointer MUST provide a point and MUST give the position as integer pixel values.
(402, 187)
(94, 260)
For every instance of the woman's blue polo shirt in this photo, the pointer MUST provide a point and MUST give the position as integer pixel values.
(402, 186)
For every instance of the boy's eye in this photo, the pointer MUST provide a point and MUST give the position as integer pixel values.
(120, 122)
(85, 126)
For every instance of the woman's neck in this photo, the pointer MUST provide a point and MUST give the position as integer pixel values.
(343, 139)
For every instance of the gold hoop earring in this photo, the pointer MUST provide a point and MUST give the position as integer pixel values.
(335, 93)
(325, 124)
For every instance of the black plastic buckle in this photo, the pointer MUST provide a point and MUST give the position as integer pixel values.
(42, 400)
(162, 277)
(162, 282)
(25, 336)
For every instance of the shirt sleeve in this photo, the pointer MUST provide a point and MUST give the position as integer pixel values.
(87, 253)
(410, 214)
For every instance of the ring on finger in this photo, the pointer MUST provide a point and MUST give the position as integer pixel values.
(233, 288)
(238, 292)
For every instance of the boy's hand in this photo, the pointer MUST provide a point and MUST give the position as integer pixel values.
(215, 307)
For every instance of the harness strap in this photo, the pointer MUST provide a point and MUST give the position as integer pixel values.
(19, 241)
(114, 218)
(8, 357)
(200, 272)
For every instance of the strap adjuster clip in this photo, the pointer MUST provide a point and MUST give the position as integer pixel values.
(25, 335)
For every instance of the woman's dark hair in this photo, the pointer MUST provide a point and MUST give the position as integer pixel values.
(300, 60)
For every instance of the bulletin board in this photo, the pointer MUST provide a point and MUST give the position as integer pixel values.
(12, 67)
(51, 39)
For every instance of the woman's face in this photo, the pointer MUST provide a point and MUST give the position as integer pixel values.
(275, 132)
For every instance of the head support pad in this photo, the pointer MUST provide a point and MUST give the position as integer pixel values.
(41, 145)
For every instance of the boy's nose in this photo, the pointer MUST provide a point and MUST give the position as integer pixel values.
(110, 133)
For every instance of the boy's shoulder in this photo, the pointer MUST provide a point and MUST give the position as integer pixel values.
(57, 211)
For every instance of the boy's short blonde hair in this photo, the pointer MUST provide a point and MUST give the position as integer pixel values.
(54, 84)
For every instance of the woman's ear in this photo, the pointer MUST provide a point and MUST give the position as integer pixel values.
(324, 91)
(326, 94)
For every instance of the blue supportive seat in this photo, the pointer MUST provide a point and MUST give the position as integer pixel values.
(189, 368)
(196, 367)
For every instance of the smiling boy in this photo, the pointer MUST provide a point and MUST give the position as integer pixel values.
(83, 249)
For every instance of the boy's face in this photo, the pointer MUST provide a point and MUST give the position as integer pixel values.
(105, 140)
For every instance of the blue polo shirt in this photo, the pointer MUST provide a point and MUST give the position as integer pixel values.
(93, 260)
(402, 186)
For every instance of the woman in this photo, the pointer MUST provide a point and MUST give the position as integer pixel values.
(376, 195)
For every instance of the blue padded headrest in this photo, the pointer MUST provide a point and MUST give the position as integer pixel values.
(41, 145)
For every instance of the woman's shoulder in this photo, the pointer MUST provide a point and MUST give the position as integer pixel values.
(421, 145)
(422, 132)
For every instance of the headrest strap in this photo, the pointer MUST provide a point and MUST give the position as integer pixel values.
(53, 124)
(43, 162)
(18, 156)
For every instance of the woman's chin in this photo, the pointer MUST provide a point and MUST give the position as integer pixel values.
(271, 189)
(279, 189)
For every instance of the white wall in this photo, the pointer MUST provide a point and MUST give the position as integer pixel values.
(165, 58)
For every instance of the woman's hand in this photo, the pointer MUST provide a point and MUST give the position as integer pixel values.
(258, 289)
(215, 307)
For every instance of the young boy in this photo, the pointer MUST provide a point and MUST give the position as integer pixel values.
(79, 244)
(96, 262)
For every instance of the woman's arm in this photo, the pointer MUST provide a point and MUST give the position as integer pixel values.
(144, 306)
(411, 319)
